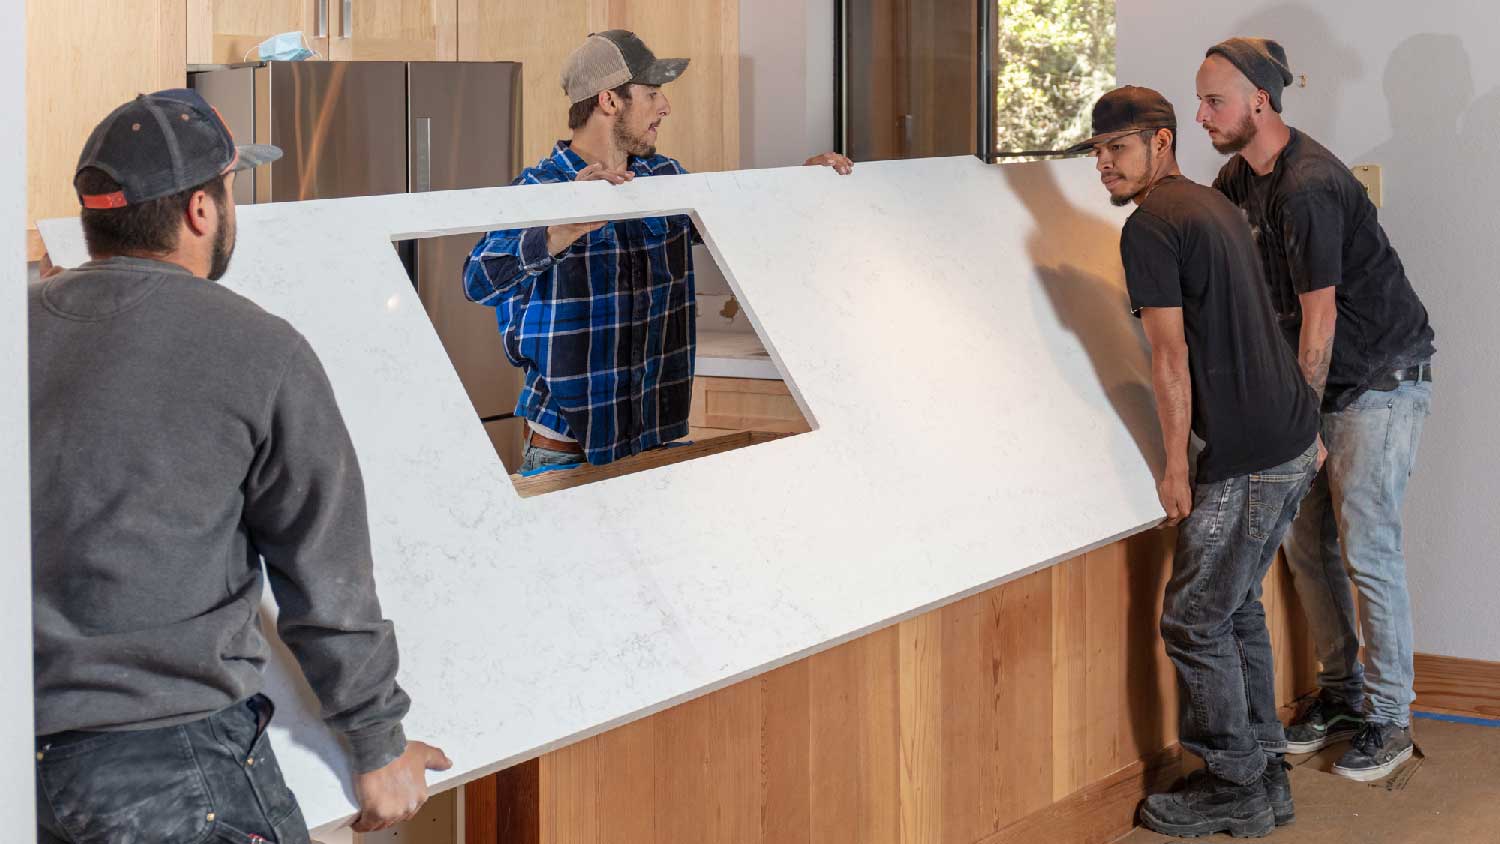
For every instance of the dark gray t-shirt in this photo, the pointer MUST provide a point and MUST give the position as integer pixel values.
(179, 434)
(1316, 227)
(1187, 247)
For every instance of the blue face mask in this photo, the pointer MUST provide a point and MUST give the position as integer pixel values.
(286, 47)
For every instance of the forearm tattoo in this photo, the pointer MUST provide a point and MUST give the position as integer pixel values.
(1315, 362)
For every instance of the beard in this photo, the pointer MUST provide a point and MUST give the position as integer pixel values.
(631, 144)
(1239, 138)
(1125, 199)
(223, 246)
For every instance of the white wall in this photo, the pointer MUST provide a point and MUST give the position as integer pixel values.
(17, 785)
(786, 81)
(1416, 89)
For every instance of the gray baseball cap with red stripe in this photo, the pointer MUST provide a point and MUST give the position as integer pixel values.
(162, 144)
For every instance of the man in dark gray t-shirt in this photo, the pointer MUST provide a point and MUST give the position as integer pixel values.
(181, 436)
(1365, 345)
(1219, 369)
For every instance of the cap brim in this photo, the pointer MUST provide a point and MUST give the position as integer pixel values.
(254, 155)
(1088, 145)
(661, 72)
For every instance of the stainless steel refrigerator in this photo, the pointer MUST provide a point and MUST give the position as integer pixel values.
(364, 128)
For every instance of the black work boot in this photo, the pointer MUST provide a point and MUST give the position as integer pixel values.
(1279, 789)
(1322, 721)
(1206, 804)
(1378, 750)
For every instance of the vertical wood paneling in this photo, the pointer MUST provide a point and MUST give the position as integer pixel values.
(1069, 653)
(968, 724)
(785, 755)
(921, 695)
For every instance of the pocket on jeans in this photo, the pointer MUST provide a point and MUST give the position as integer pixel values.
(134, 788)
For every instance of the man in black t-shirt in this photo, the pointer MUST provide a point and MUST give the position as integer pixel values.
(1365, 345)
(1218, 367)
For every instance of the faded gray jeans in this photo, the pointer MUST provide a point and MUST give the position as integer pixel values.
(1213, 623)
(212, 780)
(1350, 525)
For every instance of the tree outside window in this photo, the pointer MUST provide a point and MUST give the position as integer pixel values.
(1055, 58)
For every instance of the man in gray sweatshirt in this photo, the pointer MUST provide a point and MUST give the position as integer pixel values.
(180, 436)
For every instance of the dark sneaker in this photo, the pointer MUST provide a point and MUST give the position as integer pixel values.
(1323, 720)
(1375, 752)
(1279, 789)
(1206, 805)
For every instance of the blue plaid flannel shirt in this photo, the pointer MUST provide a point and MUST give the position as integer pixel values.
(606, 331)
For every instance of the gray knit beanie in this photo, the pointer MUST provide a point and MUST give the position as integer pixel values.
(1263, 62)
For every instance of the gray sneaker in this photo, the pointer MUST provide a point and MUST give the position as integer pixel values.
(1378, 750)
(1323, 720)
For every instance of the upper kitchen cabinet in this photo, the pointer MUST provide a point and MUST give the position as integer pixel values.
(397, 30)
(229, 31)
(83, 58)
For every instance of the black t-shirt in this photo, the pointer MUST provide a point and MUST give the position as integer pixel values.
(1187, 247)
(1316, 228)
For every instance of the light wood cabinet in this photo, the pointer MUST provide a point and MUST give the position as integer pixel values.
(728, 405)
(397, 30)
(84, 58)
(228, 31)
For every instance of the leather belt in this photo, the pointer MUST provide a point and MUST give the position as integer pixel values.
(565, 446)
(1387, 381)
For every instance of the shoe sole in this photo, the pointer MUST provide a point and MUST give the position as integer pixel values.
(1258, 826)
(1301, 747)
(1375, 773)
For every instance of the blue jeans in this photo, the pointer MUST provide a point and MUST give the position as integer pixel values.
(213, 780)
(535, 457)
(1351, 522)
(1213, 622)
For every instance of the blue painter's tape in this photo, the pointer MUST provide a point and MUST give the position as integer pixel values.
(1457, 719)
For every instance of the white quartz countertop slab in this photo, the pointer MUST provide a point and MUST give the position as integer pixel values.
(956, 332)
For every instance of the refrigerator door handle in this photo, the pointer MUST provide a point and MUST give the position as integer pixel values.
(322, 27)
(348, 18)
(421, 147)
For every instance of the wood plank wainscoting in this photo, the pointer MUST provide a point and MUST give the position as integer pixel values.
(1043, 709)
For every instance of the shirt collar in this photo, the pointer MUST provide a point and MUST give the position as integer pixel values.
(571, 162)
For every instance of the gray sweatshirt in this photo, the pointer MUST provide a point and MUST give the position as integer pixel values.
(180, 434)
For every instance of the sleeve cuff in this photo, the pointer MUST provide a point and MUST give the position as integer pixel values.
(375, 748)
(534, 255)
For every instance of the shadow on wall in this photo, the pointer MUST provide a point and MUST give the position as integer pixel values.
(1094, 309)
(1440, 181)
(1304, 33)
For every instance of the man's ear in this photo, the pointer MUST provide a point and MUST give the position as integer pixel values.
(609, 103)
(201, 213)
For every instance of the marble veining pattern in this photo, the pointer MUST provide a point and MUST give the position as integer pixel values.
(957, 333)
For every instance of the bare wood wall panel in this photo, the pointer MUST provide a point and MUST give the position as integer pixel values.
(517, 30)
(703, 131)
(83, 59)
(973, 723)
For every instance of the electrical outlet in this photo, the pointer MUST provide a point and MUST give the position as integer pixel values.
(1369, 176)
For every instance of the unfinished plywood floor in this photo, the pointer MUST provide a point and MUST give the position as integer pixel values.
(1448, 797)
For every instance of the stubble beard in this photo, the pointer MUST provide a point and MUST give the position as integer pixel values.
(1242, 136)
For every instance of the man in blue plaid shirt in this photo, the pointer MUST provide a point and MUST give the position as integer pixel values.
(600, 315)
